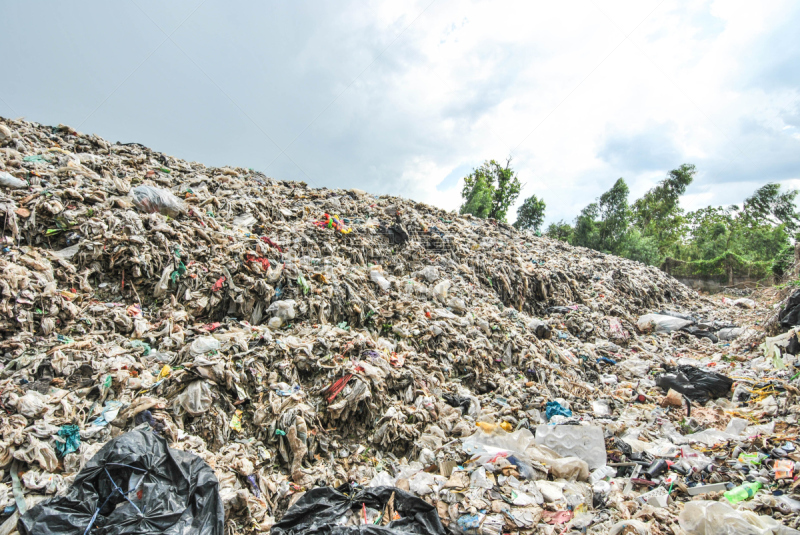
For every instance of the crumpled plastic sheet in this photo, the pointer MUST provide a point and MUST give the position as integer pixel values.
(135, 484)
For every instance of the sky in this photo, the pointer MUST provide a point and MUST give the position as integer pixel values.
(406, 98)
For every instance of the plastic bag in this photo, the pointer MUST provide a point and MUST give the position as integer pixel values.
(319, 510)
(196, 398)
(430, 273)
(203, 345)
(378, 278)
(10, 181)
(661, 323)
(151, 200)
(696, 384)
(440, 290)
(744, 303)
(540, 329)
(283, 309)
(718, 518)
(176, 491)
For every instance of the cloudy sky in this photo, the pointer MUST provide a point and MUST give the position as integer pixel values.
(405, 98)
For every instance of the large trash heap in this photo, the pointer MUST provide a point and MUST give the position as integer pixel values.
(302, 340)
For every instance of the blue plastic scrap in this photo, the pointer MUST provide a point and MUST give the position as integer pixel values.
(554, 408)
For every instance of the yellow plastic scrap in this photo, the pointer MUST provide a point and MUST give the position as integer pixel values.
(165, 371)
(236, 421)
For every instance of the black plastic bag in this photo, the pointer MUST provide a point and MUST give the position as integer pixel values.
(696, 384)
(319, 510)
(134, 484)
(694, 330)
(789, 315)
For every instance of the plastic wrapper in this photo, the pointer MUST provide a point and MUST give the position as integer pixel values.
(203, 345)
(283, 309)
(377, 277)
(135, 484)
(7, 180)
(152, 200)
(718, 518)
(320, 509)
(696, 384)
(661, 323)
(196, 398)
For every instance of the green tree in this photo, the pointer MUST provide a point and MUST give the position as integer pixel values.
(614, 216)
(586, 232)
(658, 212)
(768, 205)
(638, 247)
(531, 214)
(490, 190)
(560, 231)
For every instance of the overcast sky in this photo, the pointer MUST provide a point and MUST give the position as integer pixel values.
(405, 98)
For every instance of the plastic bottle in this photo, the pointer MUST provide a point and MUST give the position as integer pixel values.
(602, 473)
(742, 492)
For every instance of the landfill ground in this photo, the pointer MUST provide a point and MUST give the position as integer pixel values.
(296, 339)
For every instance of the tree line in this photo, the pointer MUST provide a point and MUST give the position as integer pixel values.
(654, 227)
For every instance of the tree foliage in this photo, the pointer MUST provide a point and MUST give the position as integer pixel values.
(490, 190)
(531, 214)
(658, 213)
(560, 230)
(756, 236)
(655, 226)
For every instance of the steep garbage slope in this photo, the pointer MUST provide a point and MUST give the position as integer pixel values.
(291, 336)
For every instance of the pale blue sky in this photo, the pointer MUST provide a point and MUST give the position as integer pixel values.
(405, 97)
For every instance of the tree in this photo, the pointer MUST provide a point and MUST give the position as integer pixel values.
(560, 231)
(658, 213)
(614, 215)
(531, 214)
(586, 232)
(490, 190)
(769, 205)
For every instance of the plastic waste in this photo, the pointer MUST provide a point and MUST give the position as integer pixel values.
(696, 384)
(742, 492)
(661, 324)
(719, 518)
(135, 484)
(585, 442)
(196, 398)
(319, 510)
(10, 181)
(204, 344)
(378, 278)
(554, 408)
(151, 200)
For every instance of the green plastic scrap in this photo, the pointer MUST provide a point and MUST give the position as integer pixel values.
(178, 272)
(71, 440)
(303, 284)
(145, 345)
(280, 433)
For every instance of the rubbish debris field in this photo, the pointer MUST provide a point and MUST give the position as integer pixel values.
(190, 347)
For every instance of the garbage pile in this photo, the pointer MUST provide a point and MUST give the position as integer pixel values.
(387, 361)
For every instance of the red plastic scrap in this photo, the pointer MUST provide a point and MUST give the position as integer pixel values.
(337, 386)
(218, 285)
(268, 241)
(211, 327)
(258, 260)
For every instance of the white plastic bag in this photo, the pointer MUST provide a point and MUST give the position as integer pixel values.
(661, 323)
(203, 345)
(196, 398)
(378, 278)
(151, 200)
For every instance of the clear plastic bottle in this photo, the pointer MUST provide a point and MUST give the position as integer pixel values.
(742, 492)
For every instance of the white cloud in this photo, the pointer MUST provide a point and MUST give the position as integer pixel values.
(393, 97)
